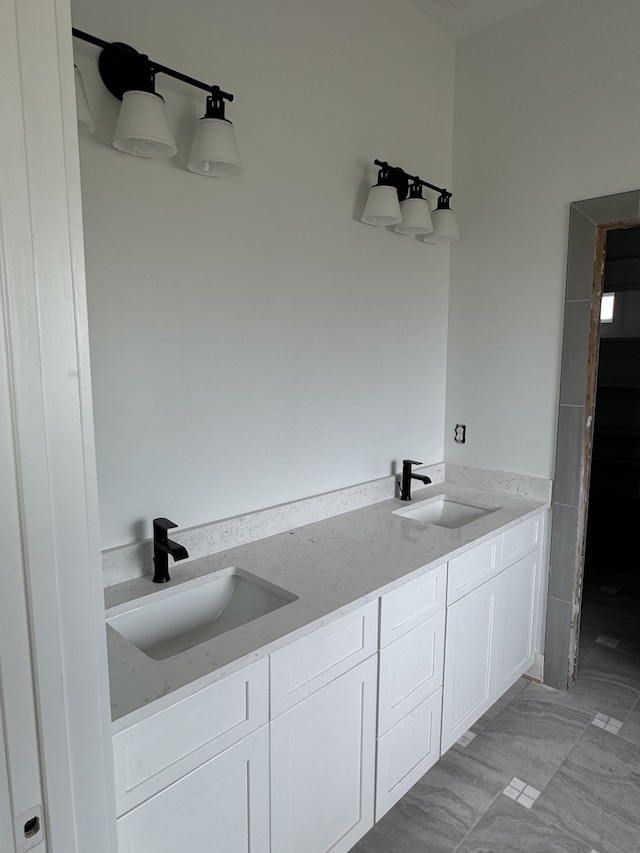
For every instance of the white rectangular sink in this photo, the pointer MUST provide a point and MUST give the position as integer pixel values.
(177, 618)
(444, 511)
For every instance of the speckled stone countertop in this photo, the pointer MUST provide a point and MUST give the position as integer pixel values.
(332, 566)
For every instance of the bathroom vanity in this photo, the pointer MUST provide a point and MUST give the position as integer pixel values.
(301, 728)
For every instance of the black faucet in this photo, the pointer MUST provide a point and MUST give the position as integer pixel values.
(407, 476)
(162, 547)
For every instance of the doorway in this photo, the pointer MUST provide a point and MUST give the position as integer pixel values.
(611, 588)
(590, 221)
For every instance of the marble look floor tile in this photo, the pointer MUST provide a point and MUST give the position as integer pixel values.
(437, 813)
(506, 828)
(595, 794)
(500, 705)
(532, 736)
(608, 682)
(587, 639)
(631, 727)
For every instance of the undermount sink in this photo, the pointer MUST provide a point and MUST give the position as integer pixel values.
(445, 511)
(179, 617)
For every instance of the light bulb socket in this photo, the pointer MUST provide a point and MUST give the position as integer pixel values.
(215, 105)
(444, 201)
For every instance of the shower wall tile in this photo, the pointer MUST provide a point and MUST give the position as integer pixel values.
(569, 454)
(575, 351)
(581, 254)
(564, 537)
(557, 641)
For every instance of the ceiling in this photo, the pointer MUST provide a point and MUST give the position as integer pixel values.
(462, 17)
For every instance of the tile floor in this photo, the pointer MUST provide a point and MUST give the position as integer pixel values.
(543, 771)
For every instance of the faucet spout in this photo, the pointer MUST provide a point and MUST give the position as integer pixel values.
(163, 547)
(407, 476)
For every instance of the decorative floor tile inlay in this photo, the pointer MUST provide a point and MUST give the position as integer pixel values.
(522, 793)
(609, 724)
(607, 641)
(466, 739)
(611, 590)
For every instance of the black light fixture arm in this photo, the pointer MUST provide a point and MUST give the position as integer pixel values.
(117, 53)
(400, 179)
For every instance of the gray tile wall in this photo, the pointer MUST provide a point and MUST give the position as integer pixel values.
(566, 535)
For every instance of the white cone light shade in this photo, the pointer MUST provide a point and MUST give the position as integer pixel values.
(445, 227)
(382, 207)
(214, 151)
(86, 124)
(142, 128)
(416, 217)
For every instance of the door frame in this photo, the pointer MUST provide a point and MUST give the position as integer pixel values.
(589, 222)
(54, 691)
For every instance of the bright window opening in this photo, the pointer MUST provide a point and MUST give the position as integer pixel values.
(606, 307)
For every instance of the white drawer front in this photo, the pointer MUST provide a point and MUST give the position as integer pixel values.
(520, 540)
(407, 751)
(415, 602)
(156, 752)
(410, 671)
(473, 568)
(308, 664)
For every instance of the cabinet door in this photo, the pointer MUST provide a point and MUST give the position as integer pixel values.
(469, 667)
(407, 751)
(517, 620)
(322, 766)
(222, 806)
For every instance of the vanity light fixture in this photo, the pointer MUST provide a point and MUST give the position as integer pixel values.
(397, 199)
(142, 128)
(86, 124)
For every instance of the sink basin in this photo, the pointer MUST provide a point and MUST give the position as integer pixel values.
(444, 511)
(180, 617)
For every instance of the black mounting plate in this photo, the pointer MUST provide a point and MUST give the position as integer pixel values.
(122, 68)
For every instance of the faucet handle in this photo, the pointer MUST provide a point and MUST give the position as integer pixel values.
(160, 527)
(410, 462)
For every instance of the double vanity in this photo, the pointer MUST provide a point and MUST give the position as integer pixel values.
(282, 695)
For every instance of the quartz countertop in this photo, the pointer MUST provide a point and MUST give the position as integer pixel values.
(332, 566)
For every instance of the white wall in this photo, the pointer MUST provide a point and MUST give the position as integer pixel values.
(547, 112)
(252, 341)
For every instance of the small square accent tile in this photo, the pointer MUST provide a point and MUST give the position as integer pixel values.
(522, 793)
(609, 724)
(466, 739)
(607, 641)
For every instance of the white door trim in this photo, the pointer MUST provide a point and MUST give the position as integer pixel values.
(54, 588)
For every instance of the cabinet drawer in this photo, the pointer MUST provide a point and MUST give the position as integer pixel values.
(415, 602)
(473, 568)
(165, 747)
(407, 751)
(520, 540)
(308, 664)
(410, 671)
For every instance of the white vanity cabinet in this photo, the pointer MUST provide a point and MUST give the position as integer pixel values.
(305, 749)
(195, 776)
(518, 602)
(412, 621)
(323, 708)
(491, 624)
